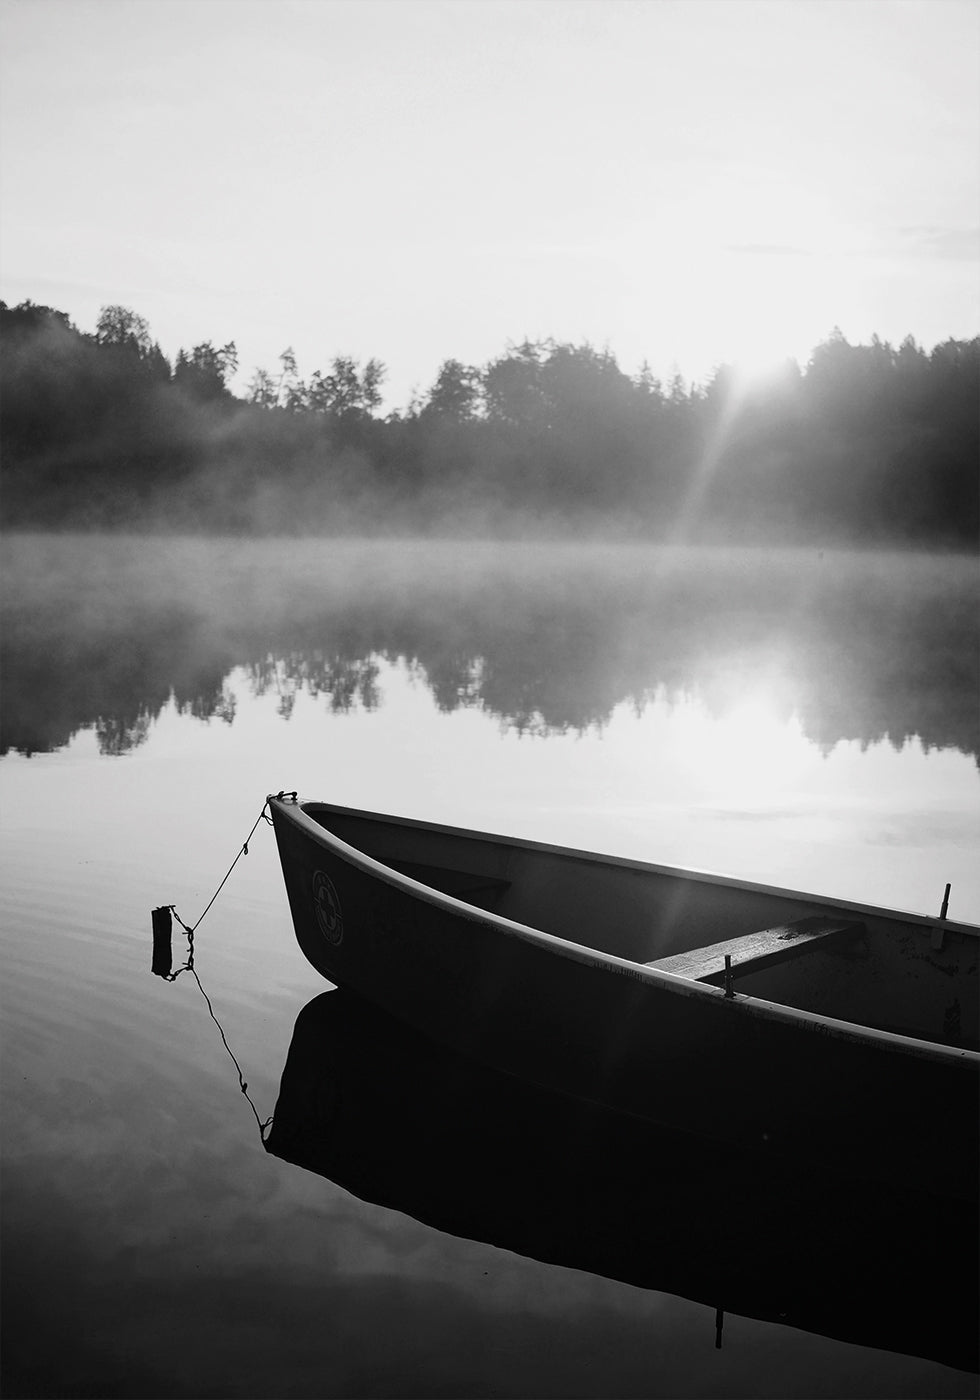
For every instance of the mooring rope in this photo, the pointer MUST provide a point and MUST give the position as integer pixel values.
(263, 816)
(262, 1127)
(190, 930)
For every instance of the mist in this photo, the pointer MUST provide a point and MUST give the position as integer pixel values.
(106, 631)
(865, 445)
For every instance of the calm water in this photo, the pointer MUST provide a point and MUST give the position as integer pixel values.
(808, 720)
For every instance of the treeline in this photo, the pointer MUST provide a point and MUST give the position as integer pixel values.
(865, 443)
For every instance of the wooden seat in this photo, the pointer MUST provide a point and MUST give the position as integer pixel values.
(754, 951)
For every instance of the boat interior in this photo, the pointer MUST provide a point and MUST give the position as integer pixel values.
(866, 966)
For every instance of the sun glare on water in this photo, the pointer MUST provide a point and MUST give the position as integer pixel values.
(750, 754)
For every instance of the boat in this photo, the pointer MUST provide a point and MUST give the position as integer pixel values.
(389, 1116)
(831, 1031)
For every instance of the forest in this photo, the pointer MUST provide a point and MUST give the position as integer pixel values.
(864, 444)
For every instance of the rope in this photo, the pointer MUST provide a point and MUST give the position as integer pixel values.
(189, 932)
(262, 1127)
(263, 816)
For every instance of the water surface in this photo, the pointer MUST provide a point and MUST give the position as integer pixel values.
(802, 719)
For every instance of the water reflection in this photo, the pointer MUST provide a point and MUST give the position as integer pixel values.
(103, 633)
(145, 1228)
(380, 1111)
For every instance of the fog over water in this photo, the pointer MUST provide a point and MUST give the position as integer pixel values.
(859, 645)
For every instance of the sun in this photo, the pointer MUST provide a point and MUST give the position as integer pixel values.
(763, 267)
(758, 368)
(770, 311)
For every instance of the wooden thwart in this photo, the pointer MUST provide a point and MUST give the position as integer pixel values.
(754, 951)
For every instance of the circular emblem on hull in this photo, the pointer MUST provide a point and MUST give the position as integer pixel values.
(326, 905)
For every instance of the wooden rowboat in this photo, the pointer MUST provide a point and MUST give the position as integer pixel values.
(756, 1015)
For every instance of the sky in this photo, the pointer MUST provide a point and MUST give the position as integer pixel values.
(685, 182)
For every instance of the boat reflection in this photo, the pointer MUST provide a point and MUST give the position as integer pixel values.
(399, 1122)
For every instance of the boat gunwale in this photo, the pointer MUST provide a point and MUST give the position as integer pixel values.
(295, 811)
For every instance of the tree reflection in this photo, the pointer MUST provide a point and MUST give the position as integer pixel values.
(117, 736)
(346, 683)
(105, 635)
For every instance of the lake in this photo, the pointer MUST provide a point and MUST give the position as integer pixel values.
(802, 718)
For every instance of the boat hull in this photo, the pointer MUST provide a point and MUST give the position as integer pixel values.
(607, 1030)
